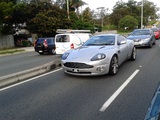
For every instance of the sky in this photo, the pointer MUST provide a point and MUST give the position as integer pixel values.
(94, 4)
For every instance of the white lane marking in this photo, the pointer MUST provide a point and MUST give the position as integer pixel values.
(2, 89)
(118, 91)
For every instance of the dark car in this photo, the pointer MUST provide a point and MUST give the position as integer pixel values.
(45, 45)
(142, 37)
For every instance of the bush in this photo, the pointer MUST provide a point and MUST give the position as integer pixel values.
(128, 23)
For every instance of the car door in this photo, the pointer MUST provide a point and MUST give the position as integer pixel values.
(122, 48)
(153, 39)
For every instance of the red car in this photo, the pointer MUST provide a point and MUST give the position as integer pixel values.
(156, 32)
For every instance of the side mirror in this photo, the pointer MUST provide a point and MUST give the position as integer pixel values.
(82, 43)
(123, 42)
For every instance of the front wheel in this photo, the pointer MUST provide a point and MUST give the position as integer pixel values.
(134, 54)
(150, 45)
(113, 69)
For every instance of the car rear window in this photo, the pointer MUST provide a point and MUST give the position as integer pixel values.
(49, 40)
(62, 38)
(40, 40)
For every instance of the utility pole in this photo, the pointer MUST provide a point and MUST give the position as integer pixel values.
(142, 15)
(68, 9)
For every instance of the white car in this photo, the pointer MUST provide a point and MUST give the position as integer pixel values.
(99, 55)
(70, 39)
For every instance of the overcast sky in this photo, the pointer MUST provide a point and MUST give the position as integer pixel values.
(93, 4)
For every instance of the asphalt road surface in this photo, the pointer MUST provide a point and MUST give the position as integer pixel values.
(58, 96)
(23, 61)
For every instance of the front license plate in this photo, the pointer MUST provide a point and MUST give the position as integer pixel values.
(75, 70)
(40, 50)
(136, 43)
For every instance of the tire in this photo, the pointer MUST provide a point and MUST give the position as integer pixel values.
(134, 54)
(150, 45)
(113, 69)
(52, 52)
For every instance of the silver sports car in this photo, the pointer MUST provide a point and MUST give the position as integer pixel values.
(143, 37)
(99, 55)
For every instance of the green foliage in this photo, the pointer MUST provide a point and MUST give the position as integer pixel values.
(6, 9)
(47, 22)
(109, 27)
(128, 22)
(133, 8)
(44, 17)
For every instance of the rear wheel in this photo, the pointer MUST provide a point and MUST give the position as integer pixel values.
(52, 52)
(113, 69)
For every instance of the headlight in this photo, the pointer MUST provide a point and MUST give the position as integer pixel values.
(99, 56)
(147, 39)
(64, 56)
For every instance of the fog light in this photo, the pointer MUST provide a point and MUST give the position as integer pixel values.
(100, 69)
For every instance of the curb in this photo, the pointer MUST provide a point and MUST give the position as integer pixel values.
(23, 75)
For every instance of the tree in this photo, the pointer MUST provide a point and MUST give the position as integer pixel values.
(133, 8)
(6, 9)
(120, 10)
(20, 14)
(76, 4)
(47, 22)
(128, 22)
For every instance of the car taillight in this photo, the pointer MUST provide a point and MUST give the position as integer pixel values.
(35, 43)
(45, 43)
(72, 46)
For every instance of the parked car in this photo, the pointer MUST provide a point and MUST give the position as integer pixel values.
(45, 45)
(70, 39)
(142, 37)
(156, 33)
(99, 55)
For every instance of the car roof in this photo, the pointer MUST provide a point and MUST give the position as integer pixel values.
(107, 35)
(47, 38)
(142, 29)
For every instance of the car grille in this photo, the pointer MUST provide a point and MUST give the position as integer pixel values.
(78, 72)
(77, 65)
(137, 40)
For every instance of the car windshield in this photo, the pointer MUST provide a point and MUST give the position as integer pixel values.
(140, 32)
(100, 40)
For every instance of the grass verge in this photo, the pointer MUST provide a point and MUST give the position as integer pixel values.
(10, 51)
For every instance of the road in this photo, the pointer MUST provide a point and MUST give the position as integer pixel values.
(20, 62)
(58, 96)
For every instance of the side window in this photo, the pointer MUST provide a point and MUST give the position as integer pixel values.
(152, 32)
(118, 40)
(50, 40)
(63, 38)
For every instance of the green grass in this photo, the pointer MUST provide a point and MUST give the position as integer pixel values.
(10, 51)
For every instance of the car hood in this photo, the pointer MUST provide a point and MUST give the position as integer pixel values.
(138, 37)
(86, 53)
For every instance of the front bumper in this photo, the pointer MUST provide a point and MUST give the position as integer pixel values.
(94, 71)
(142, 43)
